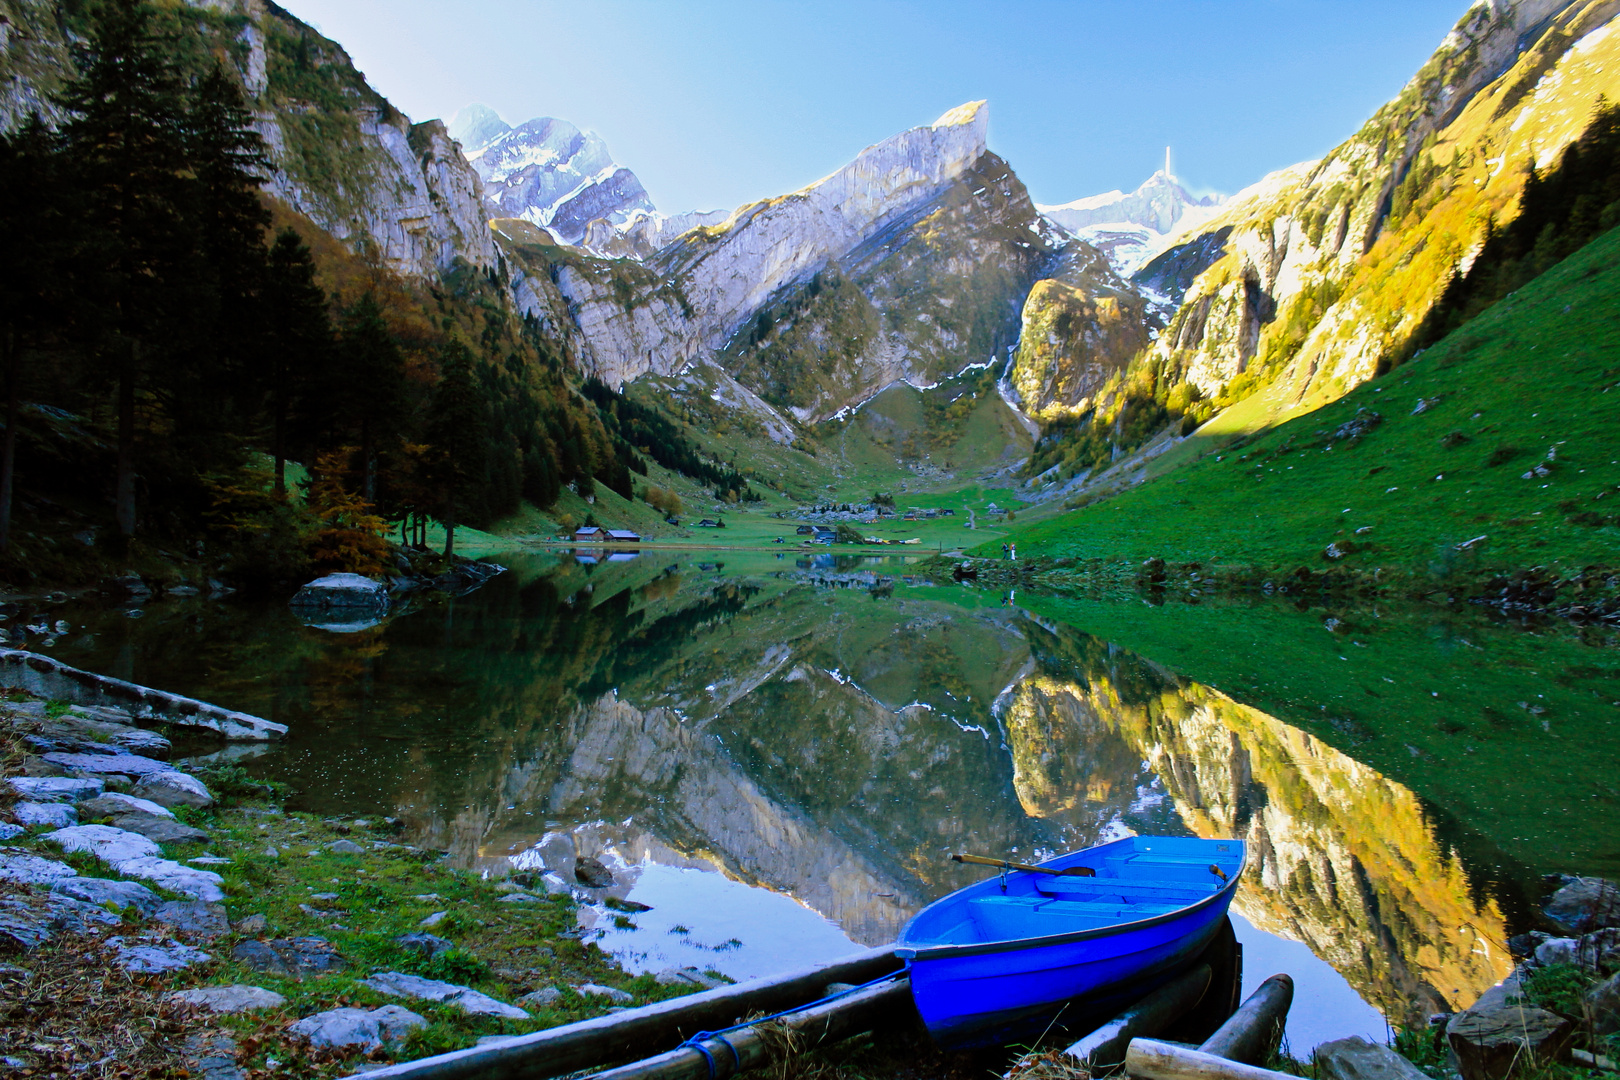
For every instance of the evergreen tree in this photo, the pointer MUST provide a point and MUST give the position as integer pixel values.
(227, 167)
(368, 391)
(34, 234)
(457, 432)
(127, 141)
(297, 342)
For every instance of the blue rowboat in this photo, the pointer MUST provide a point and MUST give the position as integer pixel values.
(1007, 957)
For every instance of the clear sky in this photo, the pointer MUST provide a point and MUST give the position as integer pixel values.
(717, 102)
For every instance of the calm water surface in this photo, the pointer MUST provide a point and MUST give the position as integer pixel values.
(780, 754)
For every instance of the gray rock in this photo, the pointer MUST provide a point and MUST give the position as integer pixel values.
(345, 847)
(103, 893)
(211, 1055)
(173, 789)
(398, 984)
(116, 804)
(230, 999)
(111, 846)
(542, 998)
(56, 788)
(292, 957)
(147, 743)
(123, 764)
(1357, 1059)
(688, 976)
(8, 831)
(613, 995)
(1585, 904)
(555, 885)
(176, 877)
(369, 1029)
(591, 873)
(52, 815)
(521, 898)
(249, 925)
(433, 920)
(24, 929)
(33, 870)
(1558, 950)
(193, 917)
(1601, 1007)
(426, 945)
(1489, 1042)
(155, 959)
(342, 592)
(162, 830)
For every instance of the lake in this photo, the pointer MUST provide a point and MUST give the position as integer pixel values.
(779, 754)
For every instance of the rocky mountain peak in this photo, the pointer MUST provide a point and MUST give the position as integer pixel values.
(548, 172)
(1131, 228)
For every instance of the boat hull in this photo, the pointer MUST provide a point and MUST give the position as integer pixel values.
(979, 993)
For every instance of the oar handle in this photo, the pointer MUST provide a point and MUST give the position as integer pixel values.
(1003, 864)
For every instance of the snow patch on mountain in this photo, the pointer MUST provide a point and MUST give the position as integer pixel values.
(1132, 228)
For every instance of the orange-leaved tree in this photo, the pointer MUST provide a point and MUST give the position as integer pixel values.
(350, 537)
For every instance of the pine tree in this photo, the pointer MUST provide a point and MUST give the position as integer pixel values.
(227, 165)
(457, 433)
(34, 234)
(297, 342)
(368, 385)
(127, 141)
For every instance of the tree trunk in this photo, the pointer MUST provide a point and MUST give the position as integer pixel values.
(124, 487)
(368, 465)
(449, 539)
(8, 454)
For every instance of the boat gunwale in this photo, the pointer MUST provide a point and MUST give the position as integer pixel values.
(947, 951)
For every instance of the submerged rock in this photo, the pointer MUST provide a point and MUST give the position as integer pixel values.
(1585, 904)
(345, 592)
(592, 873)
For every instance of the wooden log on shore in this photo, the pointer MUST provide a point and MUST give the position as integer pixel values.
(1251, 1032)
(761, 1044)
(1149, 1059)
(1104, 1049)
(646, 1030)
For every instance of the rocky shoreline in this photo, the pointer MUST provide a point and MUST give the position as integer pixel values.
(214, 933)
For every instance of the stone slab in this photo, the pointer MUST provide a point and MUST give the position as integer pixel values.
(115, 803)
(230, 999)
(104, 892)
(399, 984)
(57, 788)
(369, 1029)
(1357, 1059)
(156, 958)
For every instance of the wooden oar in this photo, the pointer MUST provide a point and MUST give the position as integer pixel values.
(1003, 864)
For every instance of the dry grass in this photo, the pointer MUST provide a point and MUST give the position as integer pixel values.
(66, 1012)
(1048, 1065)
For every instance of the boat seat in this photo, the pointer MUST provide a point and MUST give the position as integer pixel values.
(1128, 887)
(1003, 918)
(1180, 868)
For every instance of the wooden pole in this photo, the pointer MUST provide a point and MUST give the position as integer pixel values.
(634, 1032)
(1104, 1049)
(1250, 1033)
(761, 1044)
(1149, 1059)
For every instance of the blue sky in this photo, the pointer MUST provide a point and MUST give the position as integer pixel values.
(716, 102)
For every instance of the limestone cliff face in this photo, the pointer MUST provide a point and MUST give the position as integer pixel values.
(1080, 327)
(1316, 272)
(398, 193)
(713, 280)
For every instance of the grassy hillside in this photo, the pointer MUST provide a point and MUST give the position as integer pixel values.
(1495, 450)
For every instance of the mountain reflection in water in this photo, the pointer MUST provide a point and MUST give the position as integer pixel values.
(831, 733)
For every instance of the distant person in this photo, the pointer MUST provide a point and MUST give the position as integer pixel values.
(1006, 552)
(1012, 552)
